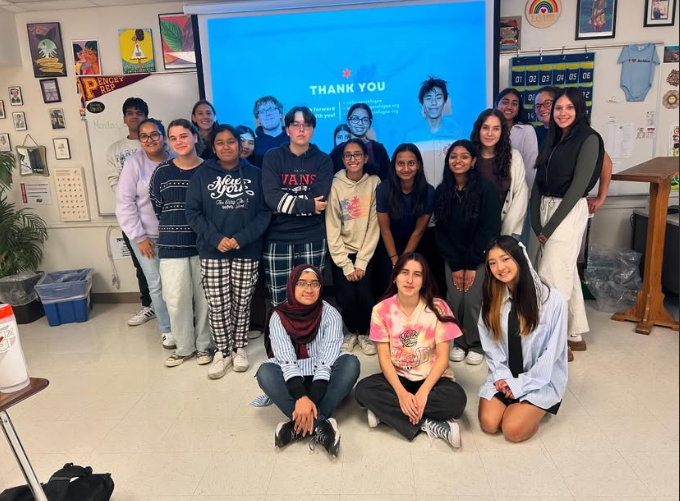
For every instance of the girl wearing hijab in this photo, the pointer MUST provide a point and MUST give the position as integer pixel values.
(413, 331)
(523, 328)
(306, 375)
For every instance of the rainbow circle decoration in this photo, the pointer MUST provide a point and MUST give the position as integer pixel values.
(543, 13)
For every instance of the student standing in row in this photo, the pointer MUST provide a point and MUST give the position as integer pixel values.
(501, 164)
(468, 216)
(523, 327)
(226, 209)
(180, 266)
(567, 169)
(352, 231)
(296, 179)
(522, 134)
(137, 218)
(203, 117)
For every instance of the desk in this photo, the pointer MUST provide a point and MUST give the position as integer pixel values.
(8, 400)
(648, 309)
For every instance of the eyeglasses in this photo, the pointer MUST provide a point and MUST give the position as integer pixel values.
(301, 284)
(359, 120)
(299, 126)
(544, 104)
(357, 155)
(267, 111)
(154, 136)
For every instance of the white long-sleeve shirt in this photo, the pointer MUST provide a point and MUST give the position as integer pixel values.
(523, 139)
(544, 352)
(323, 351)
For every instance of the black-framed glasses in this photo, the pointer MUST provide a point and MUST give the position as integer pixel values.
(357, 155)
(154, 136)
(299, 126)
(268, 111)
(359, 120)
(544, 104)
(301, 284)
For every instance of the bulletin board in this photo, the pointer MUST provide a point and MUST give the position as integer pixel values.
(169, 96)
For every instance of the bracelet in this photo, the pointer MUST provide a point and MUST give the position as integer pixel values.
(393, 255)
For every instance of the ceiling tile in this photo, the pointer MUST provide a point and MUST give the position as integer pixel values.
(54, 5)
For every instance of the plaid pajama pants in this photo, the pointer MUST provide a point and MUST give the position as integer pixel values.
(280, 259)
(229, 285)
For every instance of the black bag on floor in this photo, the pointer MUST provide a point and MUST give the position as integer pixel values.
(71, 483)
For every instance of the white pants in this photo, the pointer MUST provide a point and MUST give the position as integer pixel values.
(556, 261)
(187, 305)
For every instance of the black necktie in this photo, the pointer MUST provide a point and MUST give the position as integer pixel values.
(515, 357)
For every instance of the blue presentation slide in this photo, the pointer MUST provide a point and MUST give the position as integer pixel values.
(332, 59)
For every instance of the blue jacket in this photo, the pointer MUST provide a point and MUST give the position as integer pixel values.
(227, 203)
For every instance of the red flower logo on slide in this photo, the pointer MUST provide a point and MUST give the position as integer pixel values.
(346, 73)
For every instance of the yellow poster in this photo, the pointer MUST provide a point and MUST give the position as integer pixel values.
(136, 50)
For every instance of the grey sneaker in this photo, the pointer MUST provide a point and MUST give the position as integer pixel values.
(174, 360)
(367, 346)
(145, 314)
(446, 430)
(349, 342)
(204, 357)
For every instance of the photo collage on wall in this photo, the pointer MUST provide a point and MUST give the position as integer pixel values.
(530, 73)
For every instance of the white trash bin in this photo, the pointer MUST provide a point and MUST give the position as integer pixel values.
(13, 371)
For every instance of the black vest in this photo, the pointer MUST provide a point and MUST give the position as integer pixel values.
(555, 176)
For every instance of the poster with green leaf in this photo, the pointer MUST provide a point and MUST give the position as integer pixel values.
(177, 36)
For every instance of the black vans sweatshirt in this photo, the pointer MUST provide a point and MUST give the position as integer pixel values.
(290, 184)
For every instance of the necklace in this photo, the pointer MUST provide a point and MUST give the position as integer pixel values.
(458, 195)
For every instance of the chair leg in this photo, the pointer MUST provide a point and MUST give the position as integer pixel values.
(22, 459)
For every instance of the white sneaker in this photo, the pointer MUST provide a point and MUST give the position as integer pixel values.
(457, 354)
(373, 420)
(367, 345)
(349, 342)
(241, 360)
(219, 366)
(145, 314)
(174, 360)
(254, 334)
(168, 341)
(473, 358)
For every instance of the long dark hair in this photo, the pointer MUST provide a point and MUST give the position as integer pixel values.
(521, 117)
(394, 193)
(502, 150)
(224, 128)
(427, 292)
(369, 167)
(554, 131)
(470, 197)
(524, 298)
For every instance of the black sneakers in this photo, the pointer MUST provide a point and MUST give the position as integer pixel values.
(327, 435)
(285, 434)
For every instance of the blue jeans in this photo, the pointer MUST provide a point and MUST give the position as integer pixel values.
(151, 269)
(344, 375)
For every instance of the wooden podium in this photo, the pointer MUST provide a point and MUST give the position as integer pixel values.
(649, 310)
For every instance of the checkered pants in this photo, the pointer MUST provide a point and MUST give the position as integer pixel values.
(229, 285)
(280, 259)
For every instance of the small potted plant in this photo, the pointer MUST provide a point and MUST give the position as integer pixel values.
(21, 247)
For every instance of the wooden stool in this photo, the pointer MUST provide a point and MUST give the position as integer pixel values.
(649, 310)
(7, 400)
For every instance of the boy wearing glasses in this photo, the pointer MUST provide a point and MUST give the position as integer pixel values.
(135, 111)
(269, 133)
(296, 180)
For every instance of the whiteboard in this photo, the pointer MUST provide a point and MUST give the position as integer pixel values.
(169, 96)
(609, 101)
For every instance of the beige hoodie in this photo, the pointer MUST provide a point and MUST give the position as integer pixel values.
(352, 221)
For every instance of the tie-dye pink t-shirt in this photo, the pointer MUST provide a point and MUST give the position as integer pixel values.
(412, 338)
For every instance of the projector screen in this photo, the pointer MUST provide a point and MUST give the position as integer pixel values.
(328, 58)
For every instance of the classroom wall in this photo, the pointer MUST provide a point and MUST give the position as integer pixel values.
(611, 225)
(9, 45)
(74, 245)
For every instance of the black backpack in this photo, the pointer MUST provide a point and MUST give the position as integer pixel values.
(71, 483)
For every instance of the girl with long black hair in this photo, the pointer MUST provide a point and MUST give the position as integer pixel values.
(523, 328)
(412, 330)
(503, 166)
(203, 117)
(468, 216)
(522, 134)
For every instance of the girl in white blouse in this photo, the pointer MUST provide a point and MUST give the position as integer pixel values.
(523, 329)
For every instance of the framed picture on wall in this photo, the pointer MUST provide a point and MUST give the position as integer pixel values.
(5, 144)
(19, 119)
(57, 118)
(595, 19)
(50, 90)
(61, 148)
(660, 12)
(47, 50)
(2, 109)
(177, 40)
(15, 96)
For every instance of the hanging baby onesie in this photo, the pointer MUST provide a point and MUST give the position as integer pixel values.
(637, 73)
